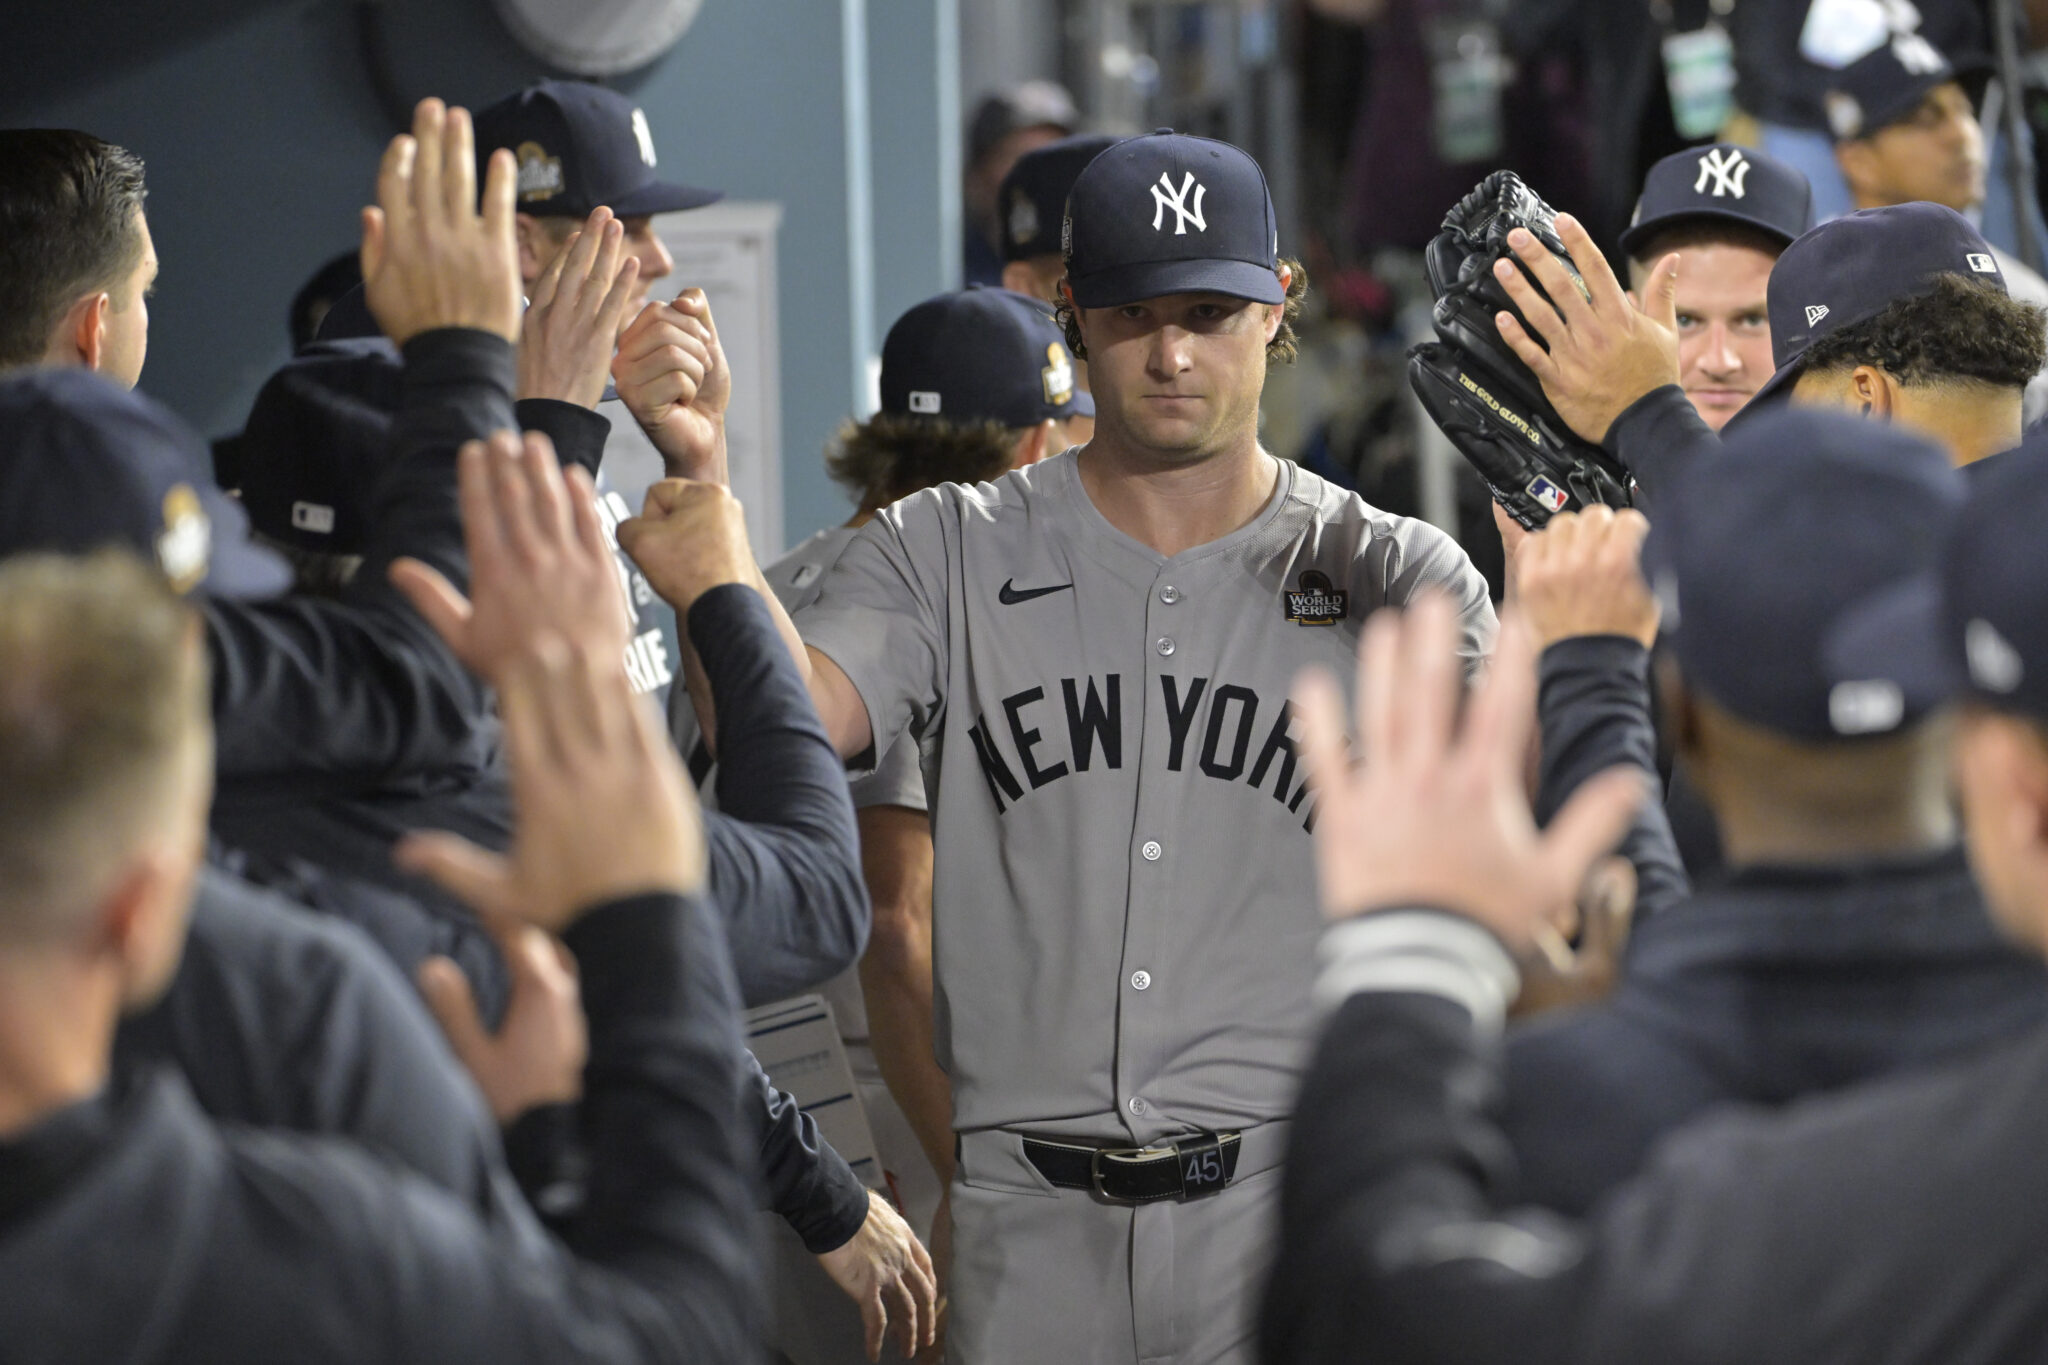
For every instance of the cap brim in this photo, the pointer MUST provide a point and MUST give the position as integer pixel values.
(1124, 284)
(663, 198)
(1777, 389)
(1895, 634)
(1641, 232)
(237, 566)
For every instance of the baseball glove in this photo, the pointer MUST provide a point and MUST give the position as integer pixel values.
(1478, 390)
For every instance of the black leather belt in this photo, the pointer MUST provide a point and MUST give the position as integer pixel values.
(1197, 1165)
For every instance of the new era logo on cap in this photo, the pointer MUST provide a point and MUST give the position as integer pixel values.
(1815, 312)
(1725, 168)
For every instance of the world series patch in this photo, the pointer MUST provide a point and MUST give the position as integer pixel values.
(1316, 601)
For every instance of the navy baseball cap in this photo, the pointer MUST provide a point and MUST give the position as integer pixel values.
(981, 355)
(1723, 182)
(1033, 104)
(1974, 624)
(1799, 519)
(580, 146)
(316, 443)
(1886, 84)
(85, 463)
(1850, 269)
(1033, 199)
(1171, 214)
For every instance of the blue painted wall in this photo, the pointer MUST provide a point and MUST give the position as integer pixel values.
(261, 128)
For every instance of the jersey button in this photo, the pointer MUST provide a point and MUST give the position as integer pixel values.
(1166, 644)
(1141, 979)
(1169, 594)
(1151, 850)
(1139, 1107)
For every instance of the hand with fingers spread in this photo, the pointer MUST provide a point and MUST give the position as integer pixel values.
(538, 560)
(1575, 957)
(688, 539)
(536, 1057)
(886, 1270)
(574, 313)
(673, 378)
(604, 810)
(1434, 814)
(430, 258)
(1581, 575)
(1594, 351)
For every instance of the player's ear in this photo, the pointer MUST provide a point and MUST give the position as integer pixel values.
(1277, 312)
(1856, 158)
(82, 337)
(1873, 392)
(1033, 444)
(536, 248)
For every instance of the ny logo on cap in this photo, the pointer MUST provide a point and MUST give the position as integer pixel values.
(1726, 168)
(1165, 196)
(643, 135)
(1815, 312)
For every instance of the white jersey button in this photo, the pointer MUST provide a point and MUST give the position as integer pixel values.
(1169, 594)
(1140, 979)
(1151, 850)
(1139, 1107)
(1166, 644)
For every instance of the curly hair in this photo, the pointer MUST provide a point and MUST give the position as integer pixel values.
(1280, 349)
(1961, 329)
(891, 455)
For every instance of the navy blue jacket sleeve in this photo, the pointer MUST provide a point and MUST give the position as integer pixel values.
(316, 695)
(577, 432)
(1594, 709)
(280, 1018)
(784, 849)
(809, 1184)
(1658, 436)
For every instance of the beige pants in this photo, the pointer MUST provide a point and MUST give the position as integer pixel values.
(1048, 1276)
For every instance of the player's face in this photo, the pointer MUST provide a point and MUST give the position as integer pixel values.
(1724, 328)
(1936, 153)
(1179, 375)
(126, 342)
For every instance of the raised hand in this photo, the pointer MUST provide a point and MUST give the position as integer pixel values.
(1581, 575)
(430, 258)
(673, 378)
(1434, 814)
(604, 810)
(688, 539)
(1560, 974)
(538, 561)
(1603, 353)
(574, 313)
(536, 1056)
(886, 1270)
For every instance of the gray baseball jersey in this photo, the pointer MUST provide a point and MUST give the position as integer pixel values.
(1124, 906)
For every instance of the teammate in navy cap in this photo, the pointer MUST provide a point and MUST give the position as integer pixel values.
(1729, 211)
(1031, 206)
(1093, 653)
(1005, 126)
(1905, 126)
(1850, 947)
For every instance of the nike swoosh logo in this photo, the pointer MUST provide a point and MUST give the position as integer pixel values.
(1011, 594)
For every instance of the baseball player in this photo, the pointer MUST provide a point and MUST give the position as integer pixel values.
(1729, 211)
(1097, 650)
(1905, 126)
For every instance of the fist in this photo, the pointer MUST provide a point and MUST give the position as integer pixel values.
(688, 539)
(1580, 575)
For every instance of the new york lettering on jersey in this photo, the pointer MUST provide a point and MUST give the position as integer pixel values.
(1117, 800)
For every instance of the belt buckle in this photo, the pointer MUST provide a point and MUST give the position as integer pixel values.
(1095, 1169)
